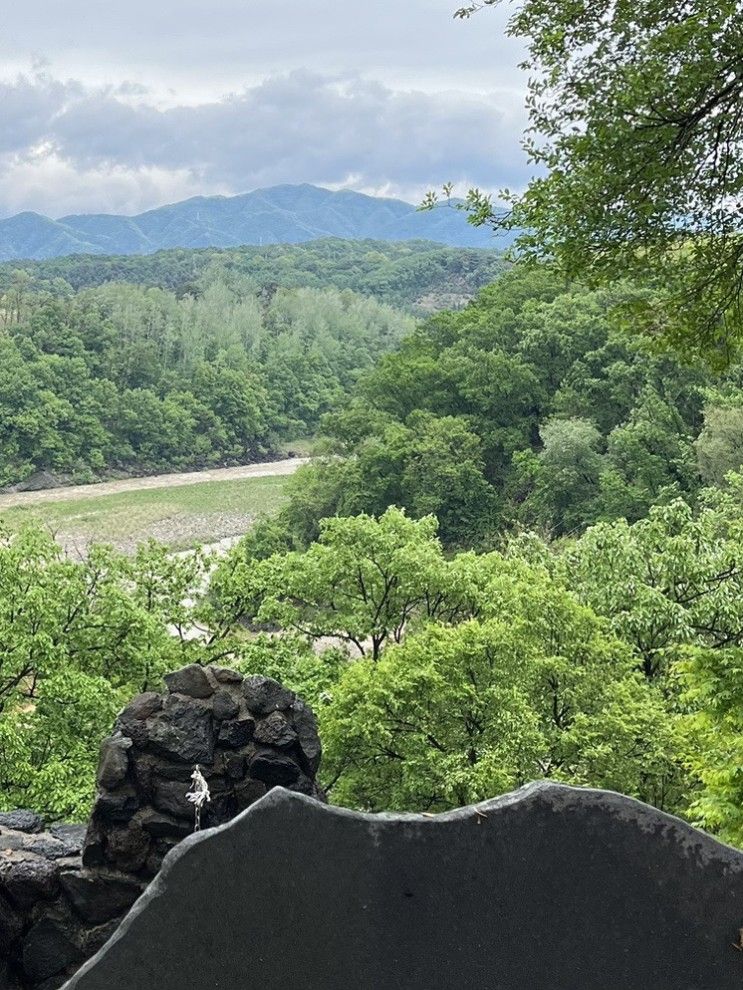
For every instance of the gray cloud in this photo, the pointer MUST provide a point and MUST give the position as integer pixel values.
(298, 127)
(124, 111)
(248, 38)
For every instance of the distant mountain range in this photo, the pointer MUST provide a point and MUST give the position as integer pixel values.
(278, 215)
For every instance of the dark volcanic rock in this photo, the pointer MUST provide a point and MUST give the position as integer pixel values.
(117, 806)
(58, 907)
(98, 897)
(141, 707)
(48, 950)
(72, 837)
(114, 760)
(11, 924)
(21, 821)
(46, 845)
(274, 769)
(169, 796)
(224, 706)
(29, 880)
(184, 731)
(551, 888)
(128, 848)
(264, 695)
(160, 825)
(309, 740)
(275, 730)
(236, 733)
(225, 675)
(192, 681)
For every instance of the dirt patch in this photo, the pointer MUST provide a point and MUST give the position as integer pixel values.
(267, 470)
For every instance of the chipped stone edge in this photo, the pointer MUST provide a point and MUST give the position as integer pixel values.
(560, 796)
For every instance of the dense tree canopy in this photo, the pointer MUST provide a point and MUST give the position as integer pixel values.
(416, 276)
(121, 377)
(527, 408)
(636, 132)
(78, 639)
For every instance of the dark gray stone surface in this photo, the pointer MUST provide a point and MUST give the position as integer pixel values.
(57, 908)
(247, 735)
(550, 888)
(21, 821)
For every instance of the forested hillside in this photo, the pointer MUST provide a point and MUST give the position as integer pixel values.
(530, 408)
(415, 275)
(134, 379)
(516, 552)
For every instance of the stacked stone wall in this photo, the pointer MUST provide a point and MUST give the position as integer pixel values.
(64, 891)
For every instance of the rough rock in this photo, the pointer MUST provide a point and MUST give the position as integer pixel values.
(226, 675)
(20, 821)
(309, 740)
(160, 825)
(224, 706)
(550, 888)
(264, 695)
(48, 950)
(192, 681)
(236, 733)
(28, 880)
(274, 769)
(169, 796)
(183, 732)
(114, 760)
(141, 707)
(11, 925)
(72, 837)
(98, 897)
(58, 907)
(275, 730)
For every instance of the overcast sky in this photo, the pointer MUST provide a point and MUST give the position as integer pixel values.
(122, 107)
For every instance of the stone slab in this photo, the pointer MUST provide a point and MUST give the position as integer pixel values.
(549, 888)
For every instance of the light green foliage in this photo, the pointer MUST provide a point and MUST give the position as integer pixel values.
(457, 713)
(633, 116)
(719, 446)
(466, 675)
(668, 580)
(365, 582)
(672, 587)
(79, 638)
(714, 691)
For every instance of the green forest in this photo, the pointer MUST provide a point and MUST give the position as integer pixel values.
(129, 378)
(517, 551)
(410, 275)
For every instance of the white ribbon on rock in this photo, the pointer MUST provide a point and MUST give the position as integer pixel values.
(198, 795)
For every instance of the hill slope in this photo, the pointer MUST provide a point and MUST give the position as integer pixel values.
(418, 276)
(278, 215)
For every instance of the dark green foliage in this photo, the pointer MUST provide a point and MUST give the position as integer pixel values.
(136, 379)
(635, 127)
(416, 275)
(530, 407)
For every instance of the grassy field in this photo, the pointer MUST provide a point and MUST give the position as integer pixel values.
(182, 516)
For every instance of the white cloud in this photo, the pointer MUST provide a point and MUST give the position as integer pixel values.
(65, 145)
(46, 184)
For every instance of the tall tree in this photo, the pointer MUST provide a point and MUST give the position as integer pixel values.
(635, 119)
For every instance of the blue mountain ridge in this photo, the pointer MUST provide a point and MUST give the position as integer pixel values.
(285, 214)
